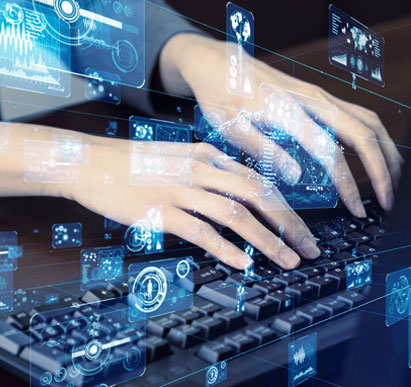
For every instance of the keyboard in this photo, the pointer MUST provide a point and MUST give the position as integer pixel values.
(179, 347)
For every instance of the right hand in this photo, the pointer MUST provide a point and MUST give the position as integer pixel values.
(222, 190)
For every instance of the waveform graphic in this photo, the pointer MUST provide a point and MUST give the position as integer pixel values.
(306, 372)
(299, 356)
(15, 37)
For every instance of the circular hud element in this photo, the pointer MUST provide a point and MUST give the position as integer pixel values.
(149, 289)
(125, 56)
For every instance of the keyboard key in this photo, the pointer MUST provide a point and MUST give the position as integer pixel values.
(232, 319)
(326, 251)
(357, 238)
(185, 336)
(368, 221)
(308, 272)
(289, 322)
(215, 352)
(283, 300)
(199, 262)
(201, 277)
(97, 295)
(186, 316)
(262, 333)
(267, 286)
(341, 245)
(224, 294)
(227, 270)
(206, 308)
(20, 320)
(157, 348)
(312, 313)
(240, 341)
(366, 250)
(374, 232)
(304, 292)
(340, 275)
(12, 340)
(265, 272)
(160, 326)
(119, 290)
(210, 327)
(343, 257)
(352, 298)
(325, 286)
(332, 306)
(288, 279)
(44, 357)
(260, 308)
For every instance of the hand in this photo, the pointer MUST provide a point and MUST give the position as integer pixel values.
(200, 62)
(215, 182)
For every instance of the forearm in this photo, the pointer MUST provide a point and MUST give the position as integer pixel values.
(13, 165)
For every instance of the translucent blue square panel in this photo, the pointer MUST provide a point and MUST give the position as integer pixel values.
(86, 346)
(101, 266)
(355, 48)
(6, 288)
(359, 274)
(31, 58)
(240, 51)
(108, 36)
(216, 374)
(158, 287)
(67, 235)
(302, 359)
(150, 161)
(397, 288)
(9, 250)
(303, 127)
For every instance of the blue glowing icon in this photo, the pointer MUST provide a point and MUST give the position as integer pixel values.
(240, 298)
(112, 128)
(302, 359)
(157, 287)
(101, 266)
(67, 235)
(216, 373)
(102, 86)
(6, 288)
(397, 288)
(51, 299)
(359, 274)
(355, 48)
(240, 51)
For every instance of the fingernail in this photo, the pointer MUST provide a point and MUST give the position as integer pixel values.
(290, 172)
(289, 259)
(310, 249)
(359, 209)
(389, 201)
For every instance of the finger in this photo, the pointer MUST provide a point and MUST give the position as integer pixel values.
(391, 154)
(202, 234)
(238, 218)
(254, 143)
(246, 190)
(321, 146)
(363, 140)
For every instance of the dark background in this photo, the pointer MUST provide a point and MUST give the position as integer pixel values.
(283, 23)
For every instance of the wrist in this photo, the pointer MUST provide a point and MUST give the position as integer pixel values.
(181, 58)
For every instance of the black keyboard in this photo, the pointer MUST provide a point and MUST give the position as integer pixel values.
(178, 347)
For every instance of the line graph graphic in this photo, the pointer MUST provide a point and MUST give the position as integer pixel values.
(30, 59)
